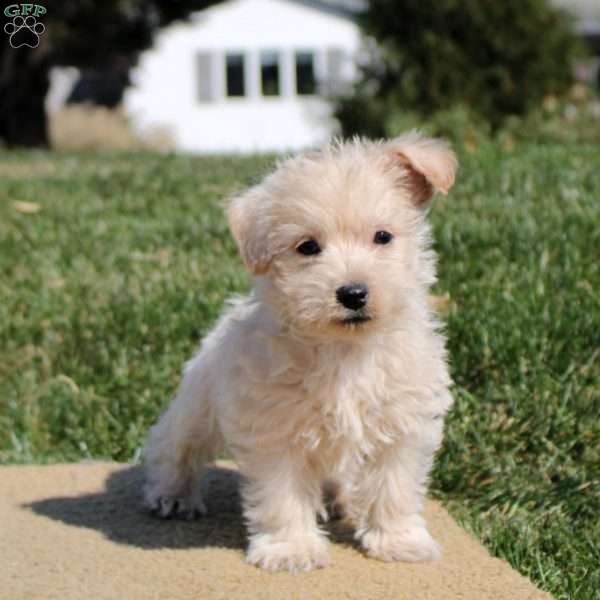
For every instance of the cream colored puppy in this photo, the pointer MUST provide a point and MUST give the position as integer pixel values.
(332, 369)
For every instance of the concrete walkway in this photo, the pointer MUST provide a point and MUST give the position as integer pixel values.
(73, 532)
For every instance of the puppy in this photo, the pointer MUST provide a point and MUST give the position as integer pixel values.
(332, 369)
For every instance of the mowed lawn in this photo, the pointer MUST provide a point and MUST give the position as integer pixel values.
(113, 267)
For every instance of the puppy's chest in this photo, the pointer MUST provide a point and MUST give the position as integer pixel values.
(330, 401)
(346, 405)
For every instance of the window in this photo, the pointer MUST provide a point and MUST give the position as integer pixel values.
(305, 73)
(204, 76)
(269, 73)
(234, 67)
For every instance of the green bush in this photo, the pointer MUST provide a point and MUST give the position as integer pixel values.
(571, 119)
(496, 59)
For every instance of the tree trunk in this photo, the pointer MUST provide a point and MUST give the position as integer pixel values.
(24, 83)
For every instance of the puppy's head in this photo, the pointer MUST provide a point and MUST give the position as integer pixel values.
(338, 237)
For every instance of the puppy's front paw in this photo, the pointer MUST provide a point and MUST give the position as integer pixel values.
(273, 553)
(166, 506)
(408, 540)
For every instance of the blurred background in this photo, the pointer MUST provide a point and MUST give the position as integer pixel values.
(278, 75)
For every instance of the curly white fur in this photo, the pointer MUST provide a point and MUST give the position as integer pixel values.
(299, 396)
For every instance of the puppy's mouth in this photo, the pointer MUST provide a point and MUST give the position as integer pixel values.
(356, 319)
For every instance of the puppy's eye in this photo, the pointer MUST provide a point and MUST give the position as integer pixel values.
(383, 237)
(309, 247)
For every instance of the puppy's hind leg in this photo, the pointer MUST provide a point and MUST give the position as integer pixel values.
(184, 439)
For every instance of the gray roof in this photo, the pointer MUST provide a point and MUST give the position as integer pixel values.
(349, 5)
(344, 8)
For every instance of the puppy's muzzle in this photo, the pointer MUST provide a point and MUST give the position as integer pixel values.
(353, 296)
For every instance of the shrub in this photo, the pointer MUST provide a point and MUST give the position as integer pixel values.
(571, 119)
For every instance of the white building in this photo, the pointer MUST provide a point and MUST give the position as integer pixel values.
(247, 75)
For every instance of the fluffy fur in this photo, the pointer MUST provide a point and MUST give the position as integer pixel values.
(300, 394)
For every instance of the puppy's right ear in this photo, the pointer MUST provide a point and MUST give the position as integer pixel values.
(250, 230)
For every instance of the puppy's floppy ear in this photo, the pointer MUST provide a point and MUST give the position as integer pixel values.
(426, 165)
(250, 228)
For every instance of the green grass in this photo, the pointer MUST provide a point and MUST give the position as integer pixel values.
(108, 288)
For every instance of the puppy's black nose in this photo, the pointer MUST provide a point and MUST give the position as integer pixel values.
(353, 295)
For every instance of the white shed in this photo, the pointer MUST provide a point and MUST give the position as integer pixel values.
(247, 75)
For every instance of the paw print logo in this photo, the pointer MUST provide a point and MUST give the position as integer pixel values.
(24, 31)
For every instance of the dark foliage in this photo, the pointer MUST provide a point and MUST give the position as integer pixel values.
(82, 33)
(495, 58)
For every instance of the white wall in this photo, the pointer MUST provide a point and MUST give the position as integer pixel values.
(165, 93)
(62, 82)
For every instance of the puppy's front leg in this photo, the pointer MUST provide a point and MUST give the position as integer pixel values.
(281, 500)
(392, 493)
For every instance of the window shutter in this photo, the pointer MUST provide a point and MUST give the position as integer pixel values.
(334, 83)
(204, 77)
